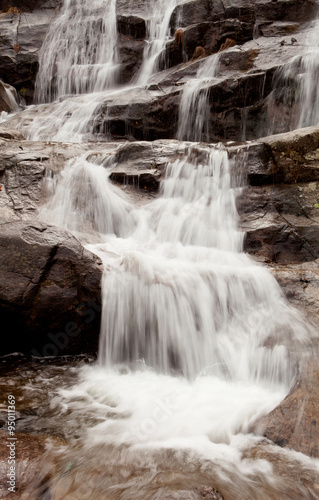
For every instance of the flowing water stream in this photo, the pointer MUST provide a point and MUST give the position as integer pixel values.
(297, 81)
(158, 28)
(79, 54)
(193, 121)
(197, 341)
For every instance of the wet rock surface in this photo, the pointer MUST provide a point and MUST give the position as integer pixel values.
(23, 26)
(281, 219)
(32, 457)
(294, 423)
(9, 100)
(50, 296)
(279, 209)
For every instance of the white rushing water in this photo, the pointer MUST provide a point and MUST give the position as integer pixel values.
(158, 32)
(193, 119)
(309, 90)
(79, 54)
(299, 91)
(194, 334)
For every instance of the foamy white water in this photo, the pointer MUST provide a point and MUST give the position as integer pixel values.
(193, 119)
(79, 54)
(160, 411)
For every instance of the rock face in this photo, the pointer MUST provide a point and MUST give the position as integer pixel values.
(279, 209)
(49, 291)
(23, 26)
(294, 423)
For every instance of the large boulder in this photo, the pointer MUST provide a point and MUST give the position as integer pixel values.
(50, 293)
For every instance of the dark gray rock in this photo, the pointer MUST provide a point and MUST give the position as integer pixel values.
(21, 37)
(50, 296)
(131, 56)
(28, 5)
(131, 26)
(279, 211)
(285, 10)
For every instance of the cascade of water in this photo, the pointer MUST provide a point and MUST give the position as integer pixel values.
(294, 103)
(158, 28)
(86, 203)
(178, 292)
(191, 300)
(79, 54)
(193, 120)
(179, 295)
(309, 89)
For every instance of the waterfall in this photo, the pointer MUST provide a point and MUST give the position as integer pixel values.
(296, 90)
(86, 203)
(309, 89)
(197, 340)
(190, 300)
(79, 54)
(158, 30)
(179, 294)
(193, 120)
